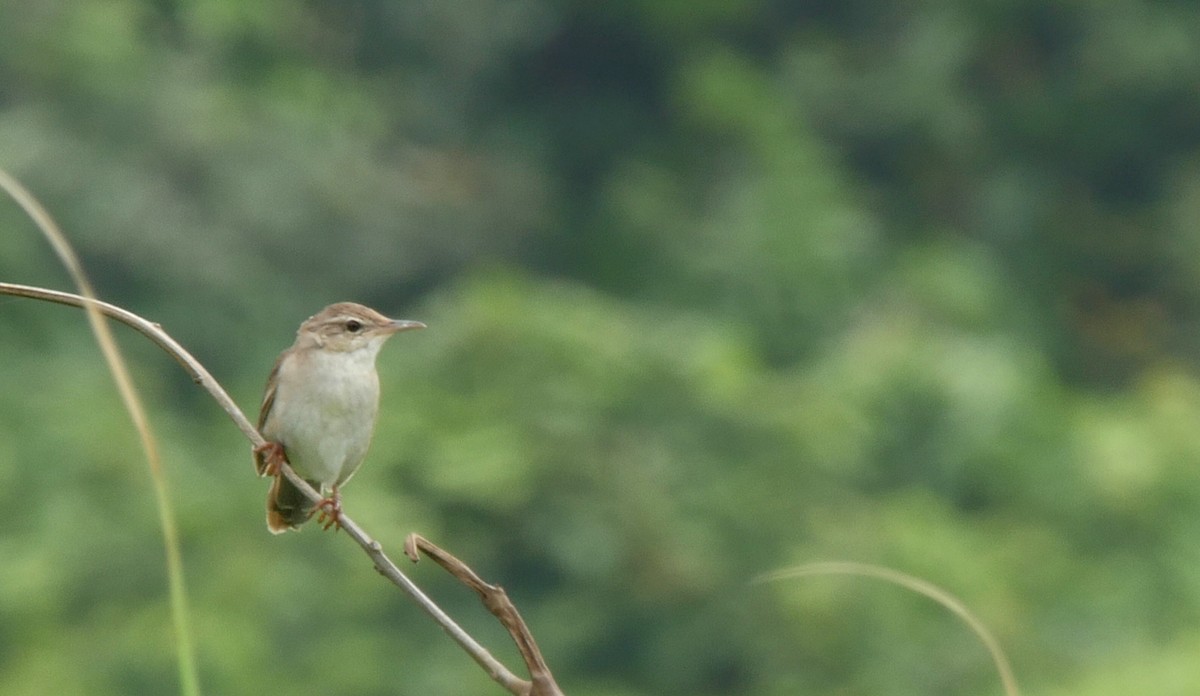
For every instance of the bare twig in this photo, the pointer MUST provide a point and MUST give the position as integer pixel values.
(384, 565)
(155, 333)
(497, 602)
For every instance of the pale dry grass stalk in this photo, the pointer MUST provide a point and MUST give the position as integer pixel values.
(914, 584)
(185, 651)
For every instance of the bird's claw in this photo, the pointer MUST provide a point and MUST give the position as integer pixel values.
(271, 457)
(329, 511)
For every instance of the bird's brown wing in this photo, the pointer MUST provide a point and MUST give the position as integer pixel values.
(260, 458)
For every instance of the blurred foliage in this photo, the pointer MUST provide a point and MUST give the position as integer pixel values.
(713, 288)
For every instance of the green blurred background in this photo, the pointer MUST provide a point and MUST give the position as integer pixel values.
(713, 288)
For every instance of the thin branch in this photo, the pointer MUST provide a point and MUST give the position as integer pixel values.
(497, 602)
(388, 569)
(155, 333)
(384, 565)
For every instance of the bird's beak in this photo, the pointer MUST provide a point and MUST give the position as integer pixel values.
(398, 325)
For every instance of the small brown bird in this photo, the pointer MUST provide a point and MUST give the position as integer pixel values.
(319, 409)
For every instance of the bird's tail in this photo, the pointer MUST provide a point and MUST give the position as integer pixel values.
(287, 507)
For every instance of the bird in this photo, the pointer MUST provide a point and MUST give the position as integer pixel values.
(319, 408)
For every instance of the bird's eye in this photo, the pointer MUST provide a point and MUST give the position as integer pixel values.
(354, 326)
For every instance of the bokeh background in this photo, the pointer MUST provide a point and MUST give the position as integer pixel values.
(713, 288)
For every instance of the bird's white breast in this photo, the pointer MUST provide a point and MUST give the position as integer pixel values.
(324, 412)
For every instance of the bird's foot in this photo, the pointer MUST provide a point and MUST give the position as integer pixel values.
(329, 511)
(270, 457)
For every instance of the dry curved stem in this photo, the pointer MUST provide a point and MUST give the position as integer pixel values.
(384, 565)
(497, 602)
(923, 587)
(155, 333)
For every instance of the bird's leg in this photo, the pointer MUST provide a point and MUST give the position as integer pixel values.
(330, 509)
(269, 456)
